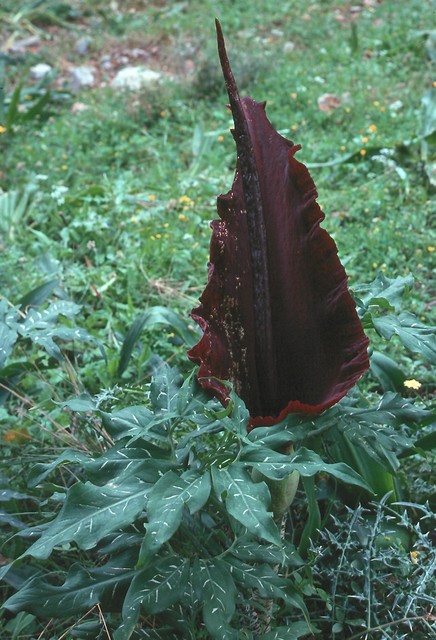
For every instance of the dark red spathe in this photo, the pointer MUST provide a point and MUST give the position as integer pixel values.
(278, 320)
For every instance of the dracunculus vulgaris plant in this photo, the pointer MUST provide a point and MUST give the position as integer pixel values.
(277, 317)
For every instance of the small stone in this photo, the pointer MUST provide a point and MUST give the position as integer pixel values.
(39, 71)
(79, 107)
(81, 77)
(138, 53)
(288, 47)
(134, 78)
(396, 106)
(328, 102)
(82, 45)
(19, 45)
(106, 62)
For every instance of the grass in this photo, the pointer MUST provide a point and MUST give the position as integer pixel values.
(114, 200)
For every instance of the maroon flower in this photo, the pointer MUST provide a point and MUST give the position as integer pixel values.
(278, 320)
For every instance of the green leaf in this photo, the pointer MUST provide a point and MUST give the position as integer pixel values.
(13, 207)
(40, 471)
(39, 295)
(218, 593)
(265, 581)
(80, 591)
(131, 421)
(8, 338)
(141, 459)
(164, 390)
(37, 109)
(158, 586)
(415, 336)
(155, 316)
(9, 494)
(12, 114)
(41, 319)
(83, 402)
(39, 326)
(90, 512)
(393, 410)
(293, 631)
(246, 501)
(276, 465)
(387, 372)
(165, 507)
(383, 292)
(250, 551)
(427, 442)
(294, 428)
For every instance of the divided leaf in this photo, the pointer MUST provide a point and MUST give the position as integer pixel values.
(80, 591)
(382, 292)
(218, 593)
(167, 500)
(157, 587)
(91, 512)
(276, 465)
(417, 337)
(246, 501)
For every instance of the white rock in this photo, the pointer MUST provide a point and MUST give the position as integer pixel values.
(19, 45)
(82, 45)
(396, 106)
(79, 107)
(288, 47)
(39, 71)
(134, 78)
(81, 77)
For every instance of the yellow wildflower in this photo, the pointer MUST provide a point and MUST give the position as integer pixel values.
(2, 129)
(151, 197)
(414, 556)
(362, 152)
(294, 127)
(185, 200)
(166, 225)
(220, 138)
(158, 235)
(412, 384)
(376, 103)
(293, 96)
(430, 249)
(182, 217)
(372, 128)
(364, 139)
(134, 219)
